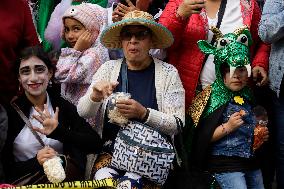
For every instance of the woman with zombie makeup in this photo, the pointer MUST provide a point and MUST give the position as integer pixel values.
(54, 119)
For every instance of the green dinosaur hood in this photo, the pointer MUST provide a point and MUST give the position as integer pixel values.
(231, 49)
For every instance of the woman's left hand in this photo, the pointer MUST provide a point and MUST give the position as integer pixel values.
(260, 76)
(49, 123)
(131, 109)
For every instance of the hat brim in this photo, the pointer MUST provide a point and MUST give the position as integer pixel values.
(162, 37)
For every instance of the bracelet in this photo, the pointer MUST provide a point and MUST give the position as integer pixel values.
(146, 115)
(225, 129)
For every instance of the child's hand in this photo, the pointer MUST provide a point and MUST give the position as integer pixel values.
(235, 121)
(84, 41)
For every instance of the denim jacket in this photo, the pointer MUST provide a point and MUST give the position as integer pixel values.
(238, 143)
(271, 30)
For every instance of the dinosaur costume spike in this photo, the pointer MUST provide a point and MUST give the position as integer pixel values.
(217, 33)
(240, 30)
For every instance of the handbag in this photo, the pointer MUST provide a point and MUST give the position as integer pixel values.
(72, 169)
(185, 174)
(31, 178)
(143, 150)
(39, 177)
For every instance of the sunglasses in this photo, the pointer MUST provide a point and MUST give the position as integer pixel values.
(140, 35)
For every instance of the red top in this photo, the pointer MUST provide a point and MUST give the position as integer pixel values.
(185, 55)
(16, 32)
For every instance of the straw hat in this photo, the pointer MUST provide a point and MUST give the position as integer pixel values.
(162, 37)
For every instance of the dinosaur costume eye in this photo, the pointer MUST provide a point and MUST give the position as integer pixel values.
(222, 43)
(243, 39)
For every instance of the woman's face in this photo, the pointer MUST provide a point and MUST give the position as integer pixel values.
(34, 76)
(136, 43)
(73, 29)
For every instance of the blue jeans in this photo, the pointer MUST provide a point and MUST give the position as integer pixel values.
(240, 180)
(278, 121)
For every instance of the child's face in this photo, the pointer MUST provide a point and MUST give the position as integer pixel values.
(238, 81)
(73, 29)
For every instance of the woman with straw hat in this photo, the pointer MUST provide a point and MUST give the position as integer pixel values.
(157, 95)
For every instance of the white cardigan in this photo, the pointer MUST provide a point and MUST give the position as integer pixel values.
(170, 96)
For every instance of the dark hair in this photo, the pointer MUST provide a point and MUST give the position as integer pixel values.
(37, 51)
(259, 111)
(224, 68)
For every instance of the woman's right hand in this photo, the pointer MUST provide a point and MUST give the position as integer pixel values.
(235, 121)
(121, 10)
(48, 122)
(45, 154)
(102, 89)
(189, 7)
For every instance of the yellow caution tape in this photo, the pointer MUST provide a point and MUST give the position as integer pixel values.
(110, 183)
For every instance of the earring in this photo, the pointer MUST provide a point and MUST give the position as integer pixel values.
(20, 90)
(50, 83)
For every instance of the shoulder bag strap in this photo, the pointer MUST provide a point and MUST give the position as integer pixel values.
(220, 18)
(124, 79)
(28, 123)
(221, 12)
(179, 141)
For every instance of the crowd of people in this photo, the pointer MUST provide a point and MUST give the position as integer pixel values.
(148, 93)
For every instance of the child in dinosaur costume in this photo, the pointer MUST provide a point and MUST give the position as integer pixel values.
(223, 118)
